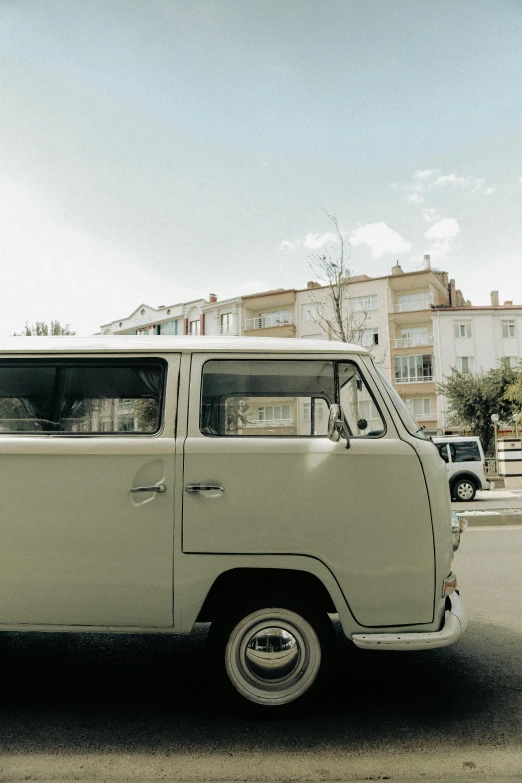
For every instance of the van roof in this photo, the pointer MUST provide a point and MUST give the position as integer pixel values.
(166, 343)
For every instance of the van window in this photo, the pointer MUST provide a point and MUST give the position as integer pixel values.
(284, 398)
(87, 397)
(360, 409)
(467, 451)
(266, 398)
(443, 451)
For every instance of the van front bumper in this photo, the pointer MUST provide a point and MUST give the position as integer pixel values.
(455, 622)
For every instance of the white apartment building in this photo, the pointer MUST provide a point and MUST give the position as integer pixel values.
(474, 339)
(177, 319)
(222, 317)
(367, 305)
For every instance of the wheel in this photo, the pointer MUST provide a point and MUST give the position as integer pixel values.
(464, 489)
(271, 654)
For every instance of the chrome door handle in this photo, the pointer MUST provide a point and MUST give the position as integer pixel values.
(198, 489)
(155, 488)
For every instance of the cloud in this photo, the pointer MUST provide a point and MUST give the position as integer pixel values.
(312, 241)
(415, 198)
(380, 238)
(426, 173)
(474, 184)
(315, 241)
(430, 214)
(443, 233)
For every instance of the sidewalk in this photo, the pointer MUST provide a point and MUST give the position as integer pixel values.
(492, 507)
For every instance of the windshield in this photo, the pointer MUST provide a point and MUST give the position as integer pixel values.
(407, 419)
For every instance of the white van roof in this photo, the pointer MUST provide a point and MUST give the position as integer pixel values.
(166, 343)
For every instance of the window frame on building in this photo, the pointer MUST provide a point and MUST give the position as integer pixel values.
(509, 325)
(463, 329)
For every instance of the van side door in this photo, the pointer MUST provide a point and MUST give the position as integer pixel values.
(87, 456)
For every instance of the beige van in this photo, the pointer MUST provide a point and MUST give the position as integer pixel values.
(261, 485)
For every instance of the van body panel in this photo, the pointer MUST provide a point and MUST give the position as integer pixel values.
(362, 511)
(76, 546)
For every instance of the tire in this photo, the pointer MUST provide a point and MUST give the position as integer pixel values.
(464, 489)
(291, 672)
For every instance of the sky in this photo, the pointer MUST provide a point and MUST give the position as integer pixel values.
(159, 151)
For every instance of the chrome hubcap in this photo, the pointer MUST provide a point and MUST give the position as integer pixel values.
(465, 491)
(272, 654)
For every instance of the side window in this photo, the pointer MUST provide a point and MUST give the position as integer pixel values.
(443, 451)
(88, 397)
(266, 398)
(465, 452)
(26, 394)
(360, 409)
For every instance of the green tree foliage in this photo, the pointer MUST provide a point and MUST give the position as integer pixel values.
(474, 397)
(41, 329)
(513, 391)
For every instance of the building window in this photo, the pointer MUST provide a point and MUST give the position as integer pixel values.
(413, 369)
(512, 361)
(420, 300)
(310, 311)
(320, 407)
(275, 414)
(508, 329)
(226, 323)
(370, 337)
(360, 304)
(462, 328)
(419, 406)
(195, 327)
(465, 363)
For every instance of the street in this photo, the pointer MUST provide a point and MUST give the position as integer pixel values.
(116, 707)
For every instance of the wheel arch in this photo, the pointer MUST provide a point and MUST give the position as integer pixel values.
(243, 581)
(464, 474)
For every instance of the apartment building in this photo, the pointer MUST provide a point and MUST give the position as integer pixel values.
(474, 339)
(177, 319)
(393, 317)
(270, 313)
(222, 317)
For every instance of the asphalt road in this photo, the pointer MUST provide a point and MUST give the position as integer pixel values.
(116, 707)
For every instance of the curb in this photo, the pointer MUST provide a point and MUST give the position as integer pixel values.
(483, 518)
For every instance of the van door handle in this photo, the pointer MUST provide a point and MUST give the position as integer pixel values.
(155, 488)
(199, 489)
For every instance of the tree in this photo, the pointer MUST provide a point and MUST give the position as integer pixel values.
(332, 266)
(41, 329)
(474, 397)
(513, 394)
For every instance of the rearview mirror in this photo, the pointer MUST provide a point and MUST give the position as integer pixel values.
(337, 428)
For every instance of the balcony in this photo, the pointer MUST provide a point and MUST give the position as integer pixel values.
(228, 331)
(412, 342)
(415, 379)
(267, 321)
(412, 307)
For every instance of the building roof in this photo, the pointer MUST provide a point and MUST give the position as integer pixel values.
(472, 308)
(167, 344)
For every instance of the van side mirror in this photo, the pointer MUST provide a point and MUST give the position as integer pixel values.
(337, 428)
